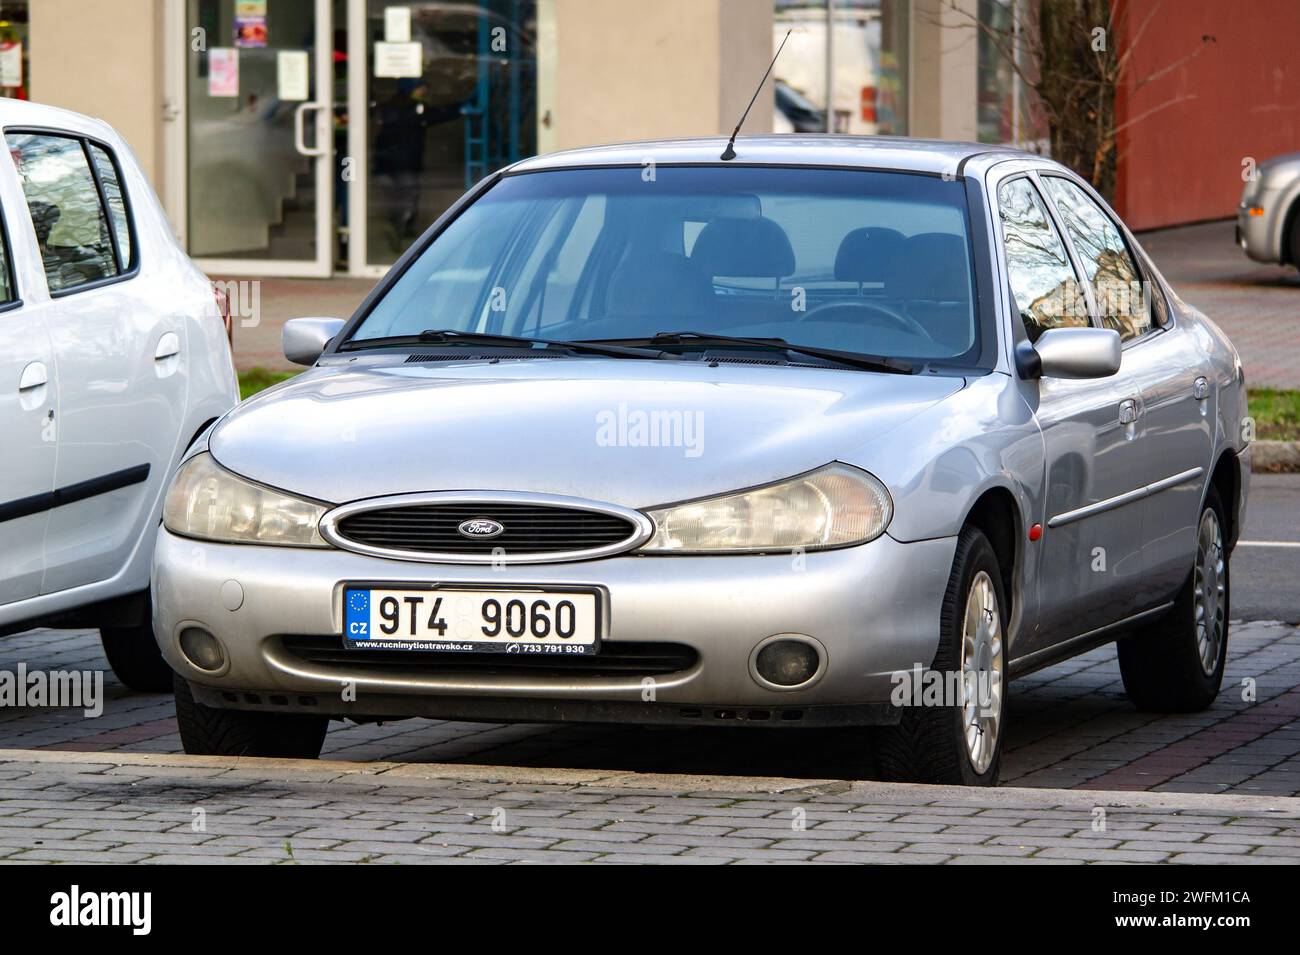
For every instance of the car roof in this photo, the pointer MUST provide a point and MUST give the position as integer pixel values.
(15, 112)
(933, 156)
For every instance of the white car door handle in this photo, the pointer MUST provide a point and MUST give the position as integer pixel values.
(1128, 411)
(168, 346)
(34, 376)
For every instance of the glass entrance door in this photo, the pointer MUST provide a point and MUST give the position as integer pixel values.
(441, 93)
(258, 136)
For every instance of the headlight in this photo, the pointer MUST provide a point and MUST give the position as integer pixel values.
(833, 506)
(208, 502)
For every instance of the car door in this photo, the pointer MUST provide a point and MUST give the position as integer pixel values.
(117, 354)
(27, 433)
(1089, 558)
(1175, 397)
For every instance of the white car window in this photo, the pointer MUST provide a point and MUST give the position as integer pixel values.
(72, 226)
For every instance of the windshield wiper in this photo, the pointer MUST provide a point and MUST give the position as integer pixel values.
(854, 359)
(450, 336)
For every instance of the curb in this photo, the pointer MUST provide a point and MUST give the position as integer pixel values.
(1276, 457)
(413, 774)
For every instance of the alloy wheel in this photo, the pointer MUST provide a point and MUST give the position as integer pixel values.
(1210, 591)
(981, 668)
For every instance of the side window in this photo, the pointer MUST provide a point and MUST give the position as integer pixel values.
(1116, 281)
(7, 293)
(1043, 281)
(72, 226)
(112, 185)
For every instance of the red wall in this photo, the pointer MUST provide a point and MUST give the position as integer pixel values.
(1241, 97)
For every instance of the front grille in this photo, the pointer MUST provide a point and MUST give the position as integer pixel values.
(616, 658)
(529, 529)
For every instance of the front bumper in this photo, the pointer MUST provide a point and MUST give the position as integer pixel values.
(873, 610)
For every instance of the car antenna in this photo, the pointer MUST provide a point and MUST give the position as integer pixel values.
(730, 151)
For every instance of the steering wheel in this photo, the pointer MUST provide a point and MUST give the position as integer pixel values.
(909, 325)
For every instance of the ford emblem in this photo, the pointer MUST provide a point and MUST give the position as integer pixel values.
(481, 528)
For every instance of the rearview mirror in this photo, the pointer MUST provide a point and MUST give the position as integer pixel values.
(304, 339)
(1072, 353)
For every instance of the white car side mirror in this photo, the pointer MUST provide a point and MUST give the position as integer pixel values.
(304, 339)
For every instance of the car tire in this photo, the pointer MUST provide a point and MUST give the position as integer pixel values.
(1293, 236)
(134, 656)
(950, 743)
(208, 731)
(1176, 666)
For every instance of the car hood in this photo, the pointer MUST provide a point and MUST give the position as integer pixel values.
(629, 432)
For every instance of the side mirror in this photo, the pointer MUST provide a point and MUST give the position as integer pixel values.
(305, 338)
(1071, 353)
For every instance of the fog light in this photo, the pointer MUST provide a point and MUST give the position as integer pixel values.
(202, 649)
(787, 663)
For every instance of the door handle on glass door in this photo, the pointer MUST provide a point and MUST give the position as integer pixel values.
(299, 143)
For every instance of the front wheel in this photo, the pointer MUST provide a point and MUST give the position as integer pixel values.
(134, 656)
(957, 739)
(1177, 665)
(207, 731)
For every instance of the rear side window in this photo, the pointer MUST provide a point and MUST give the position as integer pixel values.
(1116, 281)
(7, 294)
(70, 204)
(1042, 280)
(111, 183)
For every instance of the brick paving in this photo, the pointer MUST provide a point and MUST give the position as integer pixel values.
(1257, 305)
(124, 807)
(1070, 726)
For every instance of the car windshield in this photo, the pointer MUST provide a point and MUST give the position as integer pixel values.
(869, 262)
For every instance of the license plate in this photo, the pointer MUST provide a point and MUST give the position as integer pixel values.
(467, 621)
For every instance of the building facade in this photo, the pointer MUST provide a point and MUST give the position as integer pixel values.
(318, 137)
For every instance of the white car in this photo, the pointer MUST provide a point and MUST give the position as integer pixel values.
(114, 358)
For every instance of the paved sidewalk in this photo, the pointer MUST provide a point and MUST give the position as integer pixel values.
(1257, 305)
(1069, 726)
(67, 807)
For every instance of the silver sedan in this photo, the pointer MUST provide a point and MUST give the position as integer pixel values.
(840, 432)
(1268, 216)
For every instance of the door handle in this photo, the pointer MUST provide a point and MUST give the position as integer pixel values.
(34, 376)
(1128, 411)
(298, 142)
(168, 347)
(1201, 388)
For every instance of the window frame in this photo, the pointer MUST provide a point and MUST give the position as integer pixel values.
(85, 140)
(1159, 315)
(1020, 332)
(10, 273)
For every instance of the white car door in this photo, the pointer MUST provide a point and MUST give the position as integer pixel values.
(27, 414)
(118, 356)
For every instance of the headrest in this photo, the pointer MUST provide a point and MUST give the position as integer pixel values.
(749, 248)
(867, 255)
(934, 267)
